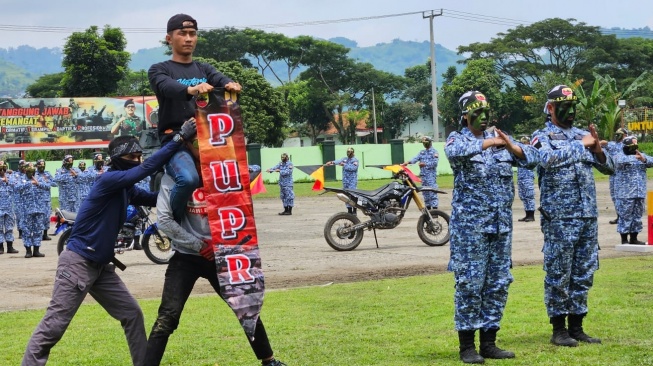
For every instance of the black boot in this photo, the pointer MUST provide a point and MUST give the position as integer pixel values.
(354, 211)
(350, 210)
(10, 248)
(576, 329)
(615, 221)
(489, 348)
(530, 216)
(20, 234)
(633, 239)
(624, 238)
(560, 335)
(36, 253)
(285, 211)
(2, 248)
(28, 252)
(137, 243)
(289, 210)
(45, 235)
(468, 352)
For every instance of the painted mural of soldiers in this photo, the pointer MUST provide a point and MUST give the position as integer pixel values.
(84, 181)
(17, 177)
(569, 214)
(29, 190)
(130, 123)
(349, 165)
(66, 178)
(630, 189)
(481, 225)
(614, 148)
(526, 187)
(428, 168)
(7, 221)
(284, 168)
(46, 196)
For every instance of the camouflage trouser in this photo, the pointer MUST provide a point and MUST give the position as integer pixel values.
(32, 226)
(6, 227)
(571, 257)
(68, 205)
(614, 200)
(430, 198)
(287, 196)
(630, 211)
(349, 183)
(481, 266)
(526, 192)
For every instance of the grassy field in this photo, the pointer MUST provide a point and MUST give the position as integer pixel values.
(407, 321)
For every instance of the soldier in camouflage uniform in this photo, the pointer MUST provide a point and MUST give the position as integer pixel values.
(66, 178)
(17, 177)
(84, 181)
(6, 210)
(349, 165)
(613, 148)
(630, 189)
(428, 168)
(526, 187)
(46, 196)
(481, 225)
(29, 191)
(569, 214)
(285, 183)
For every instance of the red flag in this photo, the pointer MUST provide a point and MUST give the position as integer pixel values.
(319, 179)
(256, 185)
(396, 168)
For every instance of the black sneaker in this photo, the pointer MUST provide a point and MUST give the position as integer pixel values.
(274, 363)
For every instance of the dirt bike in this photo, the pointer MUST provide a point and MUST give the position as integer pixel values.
(385, 207)
(155, 245)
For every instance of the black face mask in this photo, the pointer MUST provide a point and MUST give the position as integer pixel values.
(566, 113)
(123, 164)
(98, 165)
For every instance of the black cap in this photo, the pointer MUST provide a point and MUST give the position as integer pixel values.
(129, 102)
(180, 21)
(472, 100)
(561, 93)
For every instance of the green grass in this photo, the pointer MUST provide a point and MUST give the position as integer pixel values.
(407, 321)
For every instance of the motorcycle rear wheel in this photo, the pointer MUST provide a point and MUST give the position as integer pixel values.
(338, 241)
(157, 247)
(434, 233)
(63, 240)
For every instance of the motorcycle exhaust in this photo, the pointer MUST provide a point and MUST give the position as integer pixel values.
(344, 198)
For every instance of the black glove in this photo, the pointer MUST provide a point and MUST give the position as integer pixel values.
(188, 129)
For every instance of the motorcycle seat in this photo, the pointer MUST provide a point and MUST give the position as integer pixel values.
(374, 193)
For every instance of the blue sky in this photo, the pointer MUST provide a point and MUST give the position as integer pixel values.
(48, 23)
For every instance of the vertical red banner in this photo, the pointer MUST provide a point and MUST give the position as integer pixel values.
(225, 174)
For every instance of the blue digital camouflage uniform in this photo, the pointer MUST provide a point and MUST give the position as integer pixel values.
(7, 221)
(568, 197)
(45, 196)
(428, 173)
(481, 227)
(630, 191)
(85, 181)
(526, 187)
(15, 178)
(68, 188)
(285, 183)
(31, 222)
(613, 148)
(349, 172)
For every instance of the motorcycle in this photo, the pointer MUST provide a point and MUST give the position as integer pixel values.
(385, 207)
(157, 247)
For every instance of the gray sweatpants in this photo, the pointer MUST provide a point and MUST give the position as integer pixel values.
(75, 278)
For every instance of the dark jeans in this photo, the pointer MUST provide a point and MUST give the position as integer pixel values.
(182, 168)
(182, 273)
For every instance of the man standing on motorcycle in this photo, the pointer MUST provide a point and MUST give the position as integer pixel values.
(85, 267)
(481, 224)
(193, 258)
(349, 173)
(284, 168)
(428, 169)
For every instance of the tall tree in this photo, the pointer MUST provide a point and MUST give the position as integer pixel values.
(223, 45)
(94, 63)
(47, 86)
(400, 114)
(307, 110)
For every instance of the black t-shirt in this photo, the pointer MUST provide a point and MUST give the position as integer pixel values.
(170, 81)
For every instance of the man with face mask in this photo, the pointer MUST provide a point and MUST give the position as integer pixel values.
(66, 178)
(284, 168)
(526, 187)
(614, 148)
(29, 191)
(46, 197)
(84, 181)
(17, 177)
(7, 221)
(349, 173)
(569, 214)
(481, 225)
(85, 267)
(428, 168)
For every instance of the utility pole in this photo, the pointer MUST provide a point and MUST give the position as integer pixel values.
(434, 95)
(374, 117)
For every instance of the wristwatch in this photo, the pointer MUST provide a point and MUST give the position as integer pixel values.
(177, 138)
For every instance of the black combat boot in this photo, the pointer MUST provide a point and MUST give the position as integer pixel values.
(285, 211)
(468, 352)
(489, 348)
(615, 221)
(560, 335)
(624, 238)
(10, 248)
(289, 210)
(36, 253)
(576, 329)
(28, 252)
(633, 239)
(530, 216)
(45, 235)
(20, 234)
(350, 210)
(137, 243)
(2, 248)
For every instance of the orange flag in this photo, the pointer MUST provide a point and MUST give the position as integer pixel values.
(256, 185)
(396, 168)
(319, 179)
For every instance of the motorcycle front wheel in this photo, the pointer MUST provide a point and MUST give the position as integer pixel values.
(333, 232)
(63, 240)
(157, 247)
(434, 233)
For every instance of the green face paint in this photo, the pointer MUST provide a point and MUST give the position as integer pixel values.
(479, 118)
(566, 112)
